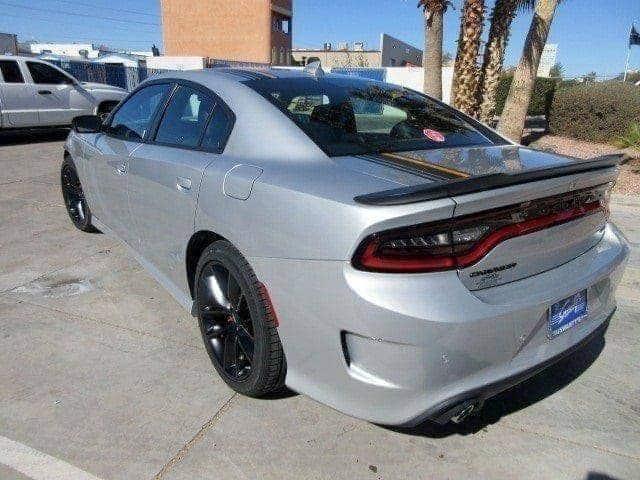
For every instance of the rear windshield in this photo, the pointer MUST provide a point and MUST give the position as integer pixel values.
(347, 116)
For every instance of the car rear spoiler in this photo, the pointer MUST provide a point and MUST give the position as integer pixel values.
(444, 189)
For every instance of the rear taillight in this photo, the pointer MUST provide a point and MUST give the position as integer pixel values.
(463, 241)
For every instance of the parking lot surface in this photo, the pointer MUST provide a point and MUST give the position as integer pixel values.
(104, 376)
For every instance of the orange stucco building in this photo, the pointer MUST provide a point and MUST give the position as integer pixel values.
(238, 30)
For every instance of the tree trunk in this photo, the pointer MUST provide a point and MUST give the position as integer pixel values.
(514, 115)
(503, 13)
(466, 70)
(432, 59)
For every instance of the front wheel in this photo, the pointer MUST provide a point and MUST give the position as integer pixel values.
(236, 322)
(74, 199)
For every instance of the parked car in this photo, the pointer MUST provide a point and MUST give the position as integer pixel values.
(356, 241)
(34, 93)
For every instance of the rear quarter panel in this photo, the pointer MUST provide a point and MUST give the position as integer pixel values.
(302, 210)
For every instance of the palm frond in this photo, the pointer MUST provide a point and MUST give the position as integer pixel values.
(435, 5)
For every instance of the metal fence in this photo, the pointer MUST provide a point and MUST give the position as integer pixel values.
(116, 75)
(126, 77)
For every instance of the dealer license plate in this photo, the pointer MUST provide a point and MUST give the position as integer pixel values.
(568, 312)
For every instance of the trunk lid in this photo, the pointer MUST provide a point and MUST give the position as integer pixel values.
(523, 255)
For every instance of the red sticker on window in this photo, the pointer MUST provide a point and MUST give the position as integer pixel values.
(434, 135)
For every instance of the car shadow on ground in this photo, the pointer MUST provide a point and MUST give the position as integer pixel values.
(23, 137)
(531, 391)
(599, 476)
(281, 394)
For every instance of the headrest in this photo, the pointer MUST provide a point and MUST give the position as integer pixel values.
(339, 116)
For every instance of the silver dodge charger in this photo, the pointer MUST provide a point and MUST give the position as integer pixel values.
(356, 241)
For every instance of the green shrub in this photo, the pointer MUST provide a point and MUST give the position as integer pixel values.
(631, 138)
(598, 112)
(543, 93)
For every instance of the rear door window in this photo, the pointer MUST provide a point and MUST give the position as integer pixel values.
(133, 119)
(45, 74)
(215, 137)
(185, 118)
(11, 71)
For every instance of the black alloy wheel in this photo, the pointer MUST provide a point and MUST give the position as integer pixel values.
(74, 198)
(237, 324)
(227, 325)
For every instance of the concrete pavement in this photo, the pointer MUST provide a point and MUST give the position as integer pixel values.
(102, 372)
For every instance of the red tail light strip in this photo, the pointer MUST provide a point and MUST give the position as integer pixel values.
(370, 260)
(524, 228)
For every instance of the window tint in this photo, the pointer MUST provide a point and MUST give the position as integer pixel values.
(185, 119)
(347, 116)
(133, 118)
(11, 71)
(217, 131)
(41, 73)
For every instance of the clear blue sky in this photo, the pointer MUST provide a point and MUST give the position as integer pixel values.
(591, 34)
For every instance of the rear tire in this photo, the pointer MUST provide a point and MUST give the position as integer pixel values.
(236, 322)
(73, 195)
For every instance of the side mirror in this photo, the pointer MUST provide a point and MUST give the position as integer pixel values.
(87, 124)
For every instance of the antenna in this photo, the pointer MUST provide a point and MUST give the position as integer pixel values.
(315, 69)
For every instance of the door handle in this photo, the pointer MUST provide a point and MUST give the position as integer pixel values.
(183, 184)
(121, 169)
(44, 92)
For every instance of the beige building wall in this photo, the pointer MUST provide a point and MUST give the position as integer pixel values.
(339, 58)
(239, 30)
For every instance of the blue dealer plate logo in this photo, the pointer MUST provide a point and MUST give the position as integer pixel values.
(568, 312)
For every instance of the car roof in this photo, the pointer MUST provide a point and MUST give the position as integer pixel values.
(25, 58)
(17, 57)
(235, 74)
(233, 81)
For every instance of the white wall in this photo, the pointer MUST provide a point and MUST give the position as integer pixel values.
(175, 63)
(413, 77)
(65, 49)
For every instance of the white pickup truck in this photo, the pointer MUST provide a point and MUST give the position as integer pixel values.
(34, 93)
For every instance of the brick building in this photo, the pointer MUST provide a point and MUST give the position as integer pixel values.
(239, 30)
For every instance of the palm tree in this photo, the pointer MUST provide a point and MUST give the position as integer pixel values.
(502, 15)
(432, 59)
(515, 111)
(466, 72)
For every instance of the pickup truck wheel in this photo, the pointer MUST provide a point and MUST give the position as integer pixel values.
(74, 199)
(237, 324)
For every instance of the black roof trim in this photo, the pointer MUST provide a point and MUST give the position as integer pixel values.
(437, 190)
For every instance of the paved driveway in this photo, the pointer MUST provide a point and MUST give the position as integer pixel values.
(103, 376)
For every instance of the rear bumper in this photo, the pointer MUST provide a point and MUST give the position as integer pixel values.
(443, 412)
(398, 349)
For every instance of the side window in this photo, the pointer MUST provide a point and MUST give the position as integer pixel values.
(11, 71)
(215, 137)
(185, 118)
(133, 118)
(41, 73)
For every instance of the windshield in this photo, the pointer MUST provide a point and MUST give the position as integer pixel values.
(347, 116)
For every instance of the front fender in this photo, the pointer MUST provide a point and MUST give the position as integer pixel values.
(107, 95)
